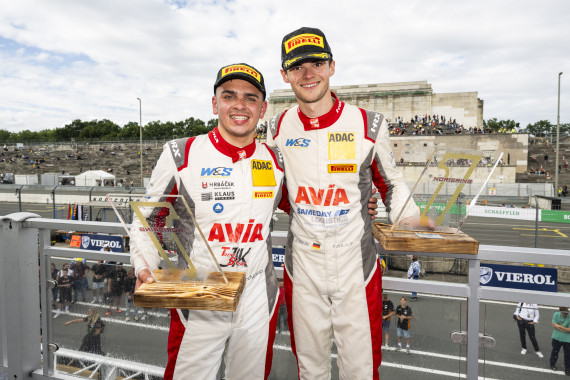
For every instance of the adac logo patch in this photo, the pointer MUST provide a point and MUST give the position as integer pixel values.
(262, 194)
(298, 143)
(242, 69)
(341, 146)
(302, 40)
(262, 173)
(342, 168)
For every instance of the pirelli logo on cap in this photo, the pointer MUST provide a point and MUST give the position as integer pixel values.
(342, 168)
(262, 194)
(303, 39)
(241, 69)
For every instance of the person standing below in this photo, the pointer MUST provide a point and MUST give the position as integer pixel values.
(81, 283)
(98, 282)
(526, 315)
(404, 314)
(414, 273)
(92, 340)
(253, 175)
(387, 312)
(561, 339)
(64, 285)
(115, 286)
(334, 153)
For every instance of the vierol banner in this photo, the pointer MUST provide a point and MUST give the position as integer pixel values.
(278, 257)
(96, 242)
(519, 277)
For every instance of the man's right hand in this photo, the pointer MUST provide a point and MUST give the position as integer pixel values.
(144, 276)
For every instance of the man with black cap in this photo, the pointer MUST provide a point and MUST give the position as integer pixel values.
(334, 153)
(226, 163)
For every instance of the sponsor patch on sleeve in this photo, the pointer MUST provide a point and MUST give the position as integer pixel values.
(341, 146)
(262, 173)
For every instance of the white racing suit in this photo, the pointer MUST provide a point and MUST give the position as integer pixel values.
(332, 275)
(232, 193)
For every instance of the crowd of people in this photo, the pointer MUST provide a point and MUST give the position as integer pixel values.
(111, 284)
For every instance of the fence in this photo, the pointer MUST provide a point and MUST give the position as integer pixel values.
(24, 308)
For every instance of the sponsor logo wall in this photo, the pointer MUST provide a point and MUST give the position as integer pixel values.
(96, 242)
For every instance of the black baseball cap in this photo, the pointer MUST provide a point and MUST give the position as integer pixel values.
(304, 44)
(241, 71)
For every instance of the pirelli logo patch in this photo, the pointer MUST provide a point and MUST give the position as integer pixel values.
(262, 173)
(303, 39)
(262, 194)
(241, 69)
(342, 168)
(341, 146)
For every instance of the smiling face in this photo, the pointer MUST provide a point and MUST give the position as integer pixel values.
(239, 106)
(310, 80)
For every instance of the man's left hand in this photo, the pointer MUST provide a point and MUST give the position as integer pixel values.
(373, 205)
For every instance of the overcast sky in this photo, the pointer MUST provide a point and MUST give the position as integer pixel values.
(62, 60)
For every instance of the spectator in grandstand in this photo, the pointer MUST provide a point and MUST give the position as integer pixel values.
(414, 273)
(387, 312)
(565, 190)
(115, 286)
(98, 282)
(64, 284)
(404, 314)
(526, 315)
(80, 270)
(92, 340)
(561, 339)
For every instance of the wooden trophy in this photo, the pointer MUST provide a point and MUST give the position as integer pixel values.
(191, 277)
(440, 193)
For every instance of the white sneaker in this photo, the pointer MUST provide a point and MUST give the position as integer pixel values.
(57, 313)
(408, 349)
(127, 319)
(143, 317)
(523, 351)
(539, 354)
(67, 309)
(400, 346)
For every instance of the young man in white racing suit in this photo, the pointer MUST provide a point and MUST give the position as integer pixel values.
(232, 185)
(334, 153)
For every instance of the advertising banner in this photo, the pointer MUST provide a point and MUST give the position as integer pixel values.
(555, 216)
(519, 277)
(96, 242)
(278, 257)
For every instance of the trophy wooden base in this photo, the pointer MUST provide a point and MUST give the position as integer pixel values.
(424, 241)
(188, 295)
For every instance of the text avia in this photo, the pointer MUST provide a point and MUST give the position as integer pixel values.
(318, 197)
(226, 232)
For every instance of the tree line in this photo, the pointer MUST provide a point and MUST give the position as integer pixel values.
(540, 128)
(106, 130)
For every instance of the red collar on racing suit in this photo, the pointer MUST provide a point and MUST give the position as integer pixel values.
(228, 149)
(325, 120)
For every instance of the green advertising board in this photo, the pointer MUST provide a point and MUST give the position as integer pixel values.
(440, 206)
(555, 216)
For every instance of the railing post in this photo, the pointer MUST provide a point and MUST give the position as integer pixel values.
(19, 285)
(473, 320)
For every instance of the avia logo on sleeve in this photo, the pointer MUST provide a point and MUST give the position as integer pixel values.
(226, 232)
(298, 143)
(310, 196)
(216, 172)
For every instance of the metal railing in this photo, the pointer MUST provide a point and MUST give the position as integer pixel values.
(22, 305)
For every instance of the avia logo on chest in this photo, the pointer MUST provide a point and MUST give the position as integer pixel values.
(225, 232)
(310, 196)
